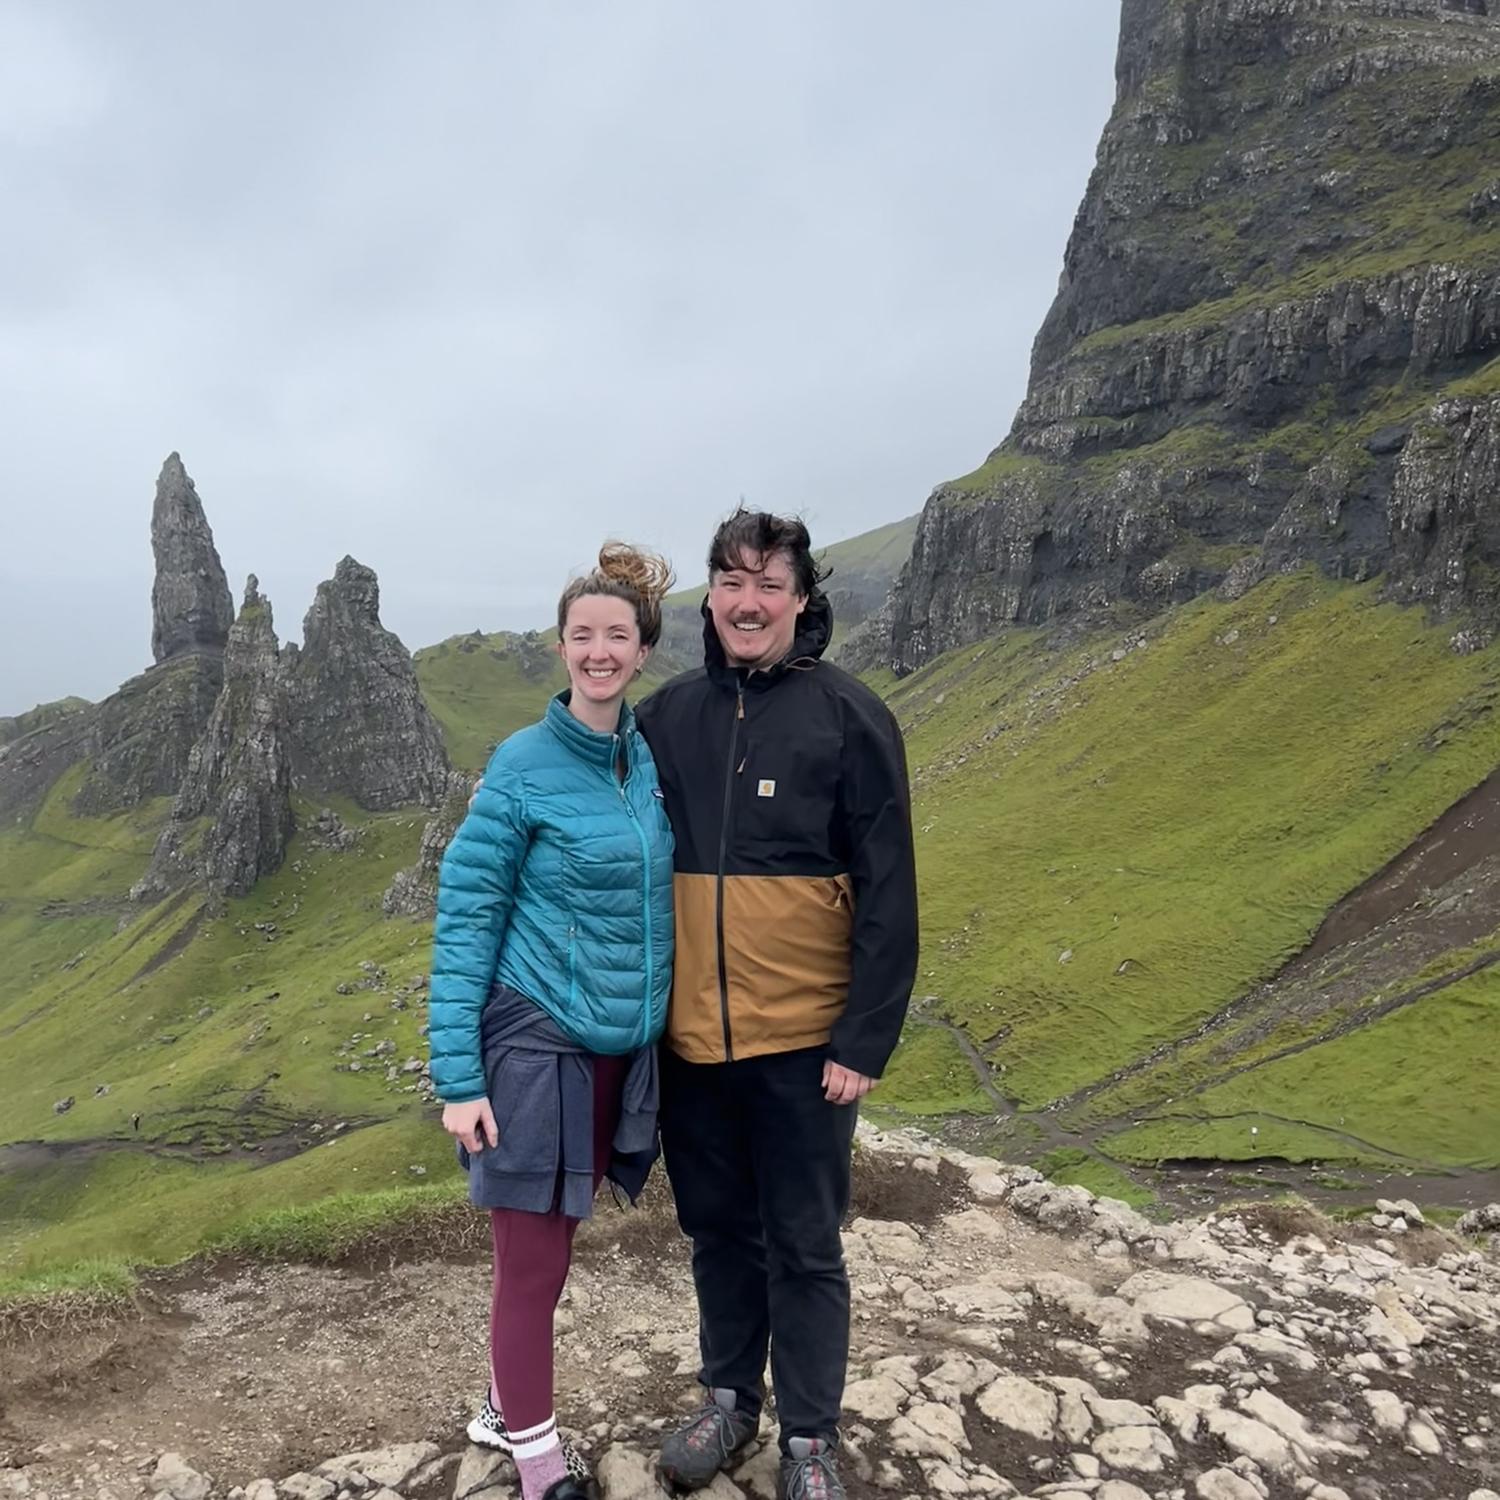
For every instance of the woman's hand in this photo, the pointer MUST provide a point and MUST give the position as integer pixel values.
(473, 1122)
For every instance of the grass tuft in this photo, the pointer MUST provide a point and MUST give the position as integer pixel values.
(65, 1299)
(434, 1220)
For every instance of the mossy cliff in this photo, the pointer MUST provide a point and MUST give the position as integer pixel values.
(1275, 339)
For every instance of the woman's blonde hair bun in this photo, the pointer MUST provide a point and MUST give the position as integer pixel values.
(640, 577)
(648, 573)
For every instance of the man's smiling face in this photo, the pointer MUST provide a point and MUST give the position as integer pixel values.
(755, 608)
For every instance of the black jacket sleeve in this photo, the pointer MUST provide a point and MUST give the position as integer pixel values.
(875, 809)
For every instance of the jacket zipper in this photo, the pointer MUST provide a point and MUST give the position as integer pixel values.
(646, 877)
(729, 773)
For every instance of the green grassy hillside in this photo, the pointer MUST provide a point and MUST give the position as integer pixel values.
(231, 1036)
(1118, 839)
(882, 551)
(241, 1039)
(482, 688)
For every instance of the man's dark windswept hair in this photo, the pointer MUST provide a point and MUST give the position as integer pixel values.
(750, 536)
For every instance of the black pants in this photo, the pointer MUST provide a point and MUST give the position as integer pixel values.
(759, 1163)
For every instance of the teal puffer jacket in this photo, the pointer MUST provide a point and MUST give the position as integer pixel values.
(559, 884)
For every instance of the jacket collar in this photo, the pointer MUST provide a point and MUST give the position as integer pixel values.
(814, 631)
(588, 744)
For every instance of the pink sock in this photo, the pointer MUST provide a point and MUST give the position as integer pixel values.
(539, 1459)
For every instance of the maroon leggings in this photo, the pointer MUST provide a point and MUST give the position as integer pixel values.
(532, 1255)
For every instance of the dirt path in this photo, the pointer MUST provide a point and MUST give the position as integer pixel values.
(1364, 1017)
(204, 1133)
(257, 1370)
(1462, 838)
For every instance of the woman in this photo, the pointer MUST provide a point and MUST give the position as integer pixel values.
(552, 962)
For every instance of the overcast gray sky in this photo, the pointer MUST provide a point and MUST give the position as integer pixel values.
(463, 289)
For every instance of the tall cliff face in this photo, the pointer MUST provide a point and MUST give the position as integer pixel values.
(1275, 336)
(37, 751)
(358, 722)
(141, 736)
(239, 775)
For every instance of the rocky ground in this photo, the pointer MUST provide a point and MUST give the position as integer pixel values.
(1010, 1338)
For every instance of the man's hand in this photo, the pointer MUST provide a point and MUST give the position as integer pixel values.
(473, 1122)
(843, 1085)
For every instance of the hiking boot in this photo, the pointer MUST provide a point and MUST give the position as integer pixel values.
(572, 1489)
(711, 1439)
(809, 1471)
(488, 1430)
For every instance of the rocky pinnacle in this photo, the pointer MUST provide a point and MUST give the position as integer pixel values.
(191, 609)
(358, 722)
(239, 773)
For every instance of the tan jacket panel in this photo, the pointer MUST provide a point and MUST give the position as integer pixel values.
(786, 953)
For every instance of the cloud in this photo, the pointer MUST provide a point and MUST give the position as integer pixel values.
(464, 290)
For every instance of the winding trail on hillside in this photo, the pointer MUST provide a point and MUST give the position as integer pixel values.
(1396, 1158)
(1054, 1135)
(1366, 1017)
(250, 1130)
(1225, 1019)
(982, 1073)
(1404, 1176)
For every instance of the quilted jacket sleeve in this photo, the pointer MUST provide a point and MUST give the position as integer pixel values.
(476, 886)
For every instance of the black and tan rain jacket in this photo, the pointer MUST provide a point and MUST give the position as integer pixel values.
(794, 879)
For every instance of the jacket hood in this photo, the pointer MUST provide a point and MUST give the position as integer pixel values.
(814, 631)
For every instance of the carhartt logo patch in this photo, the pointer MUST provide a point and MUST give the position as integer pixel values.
(766, 789)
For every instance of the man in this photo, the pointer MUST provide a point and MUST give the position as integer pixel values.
(785, 782)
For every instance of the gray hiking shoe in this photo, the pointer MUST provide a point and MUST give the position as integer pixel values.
(809, 1471)
(711, 1439)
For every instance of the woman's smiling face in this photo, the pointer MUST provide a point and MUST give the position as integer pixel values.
(601, 647)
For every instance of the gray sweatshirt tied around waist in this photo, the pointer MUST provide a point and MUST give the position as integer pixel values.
(541, 1089)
